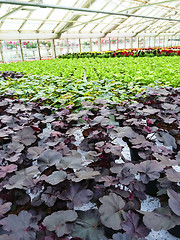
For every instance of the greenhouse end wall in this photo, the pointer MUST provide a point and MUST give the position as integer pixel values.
(19, 50)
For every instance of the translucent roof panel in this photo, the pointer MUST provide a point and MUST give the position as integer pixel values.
(62, 18)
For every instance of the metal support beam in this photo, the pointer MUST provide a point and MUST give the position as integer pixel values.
(67, 45)
(151, 4)
(75, 17)
(80, 49)
(54, 48)
(10, 12)
(90, 44)
(22, 54)
(41, 5)
(39, 51)
(1, 52)
(100, 45)
(50, 13)
(109, 43)
(138, 41)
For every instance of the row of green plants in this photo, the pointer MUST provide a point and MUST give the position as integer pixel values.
(164, 70)
(140, 52)
(59, 92)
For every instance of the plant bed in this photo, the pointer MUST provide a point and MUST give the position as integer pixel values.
(64, 174)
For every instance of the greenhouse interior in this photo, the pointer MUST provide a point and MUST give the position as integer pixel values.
(90, 120)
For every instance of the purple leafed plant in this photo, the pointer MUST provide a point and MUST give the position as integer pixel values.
(83, 175)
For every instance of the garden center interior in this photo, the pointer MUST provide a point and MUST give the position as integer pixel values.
(40, 29)
(89, 120)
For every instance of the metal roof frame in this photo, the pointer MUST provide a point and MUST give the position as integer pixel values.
(100, 18)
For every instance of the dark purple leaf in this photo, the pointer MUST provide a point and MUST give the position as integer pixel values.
(2, 155)
(167, 139)
(4, 170)
(5, 132)
(178, 157)
(111, 211)
(121, 236)
(48, 158)
(168, 120)
(165, 160)
(4, 207)
(18, 158)
(103, 121)
(63, 149)
(149, 170)
(21, 198)
(56, 177)
(77, 116)
(138, 140)
(15, 147)
(173, 175)
(150, 111)
(108, 181)
(125, 172)
(60, 222)
(84, 175)
(174, 201)
(21, 226)
(26, 136)
(18, 180)
(134, 227)
(160, 219)
(73, 161)
(49, 196)
(168, 106)
(33, 152)
(76, 194)
(87, 226)
(125, 132)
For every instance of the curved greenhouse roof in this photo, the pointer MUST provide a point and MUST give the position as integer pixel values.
(44, 19)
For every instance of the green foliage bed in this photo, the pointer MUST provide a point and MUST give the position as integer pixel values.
(70, 81)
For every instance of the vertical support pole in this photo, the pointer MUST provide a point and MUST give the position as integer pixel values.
(109, 43)
(90, 44)
(117, 43)
(54, 48)
(22, 54)
(1, 52)
(80, 49)
(138, 41)
(100, 45)
(39, 51)
(67, 45)
(125, 42)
